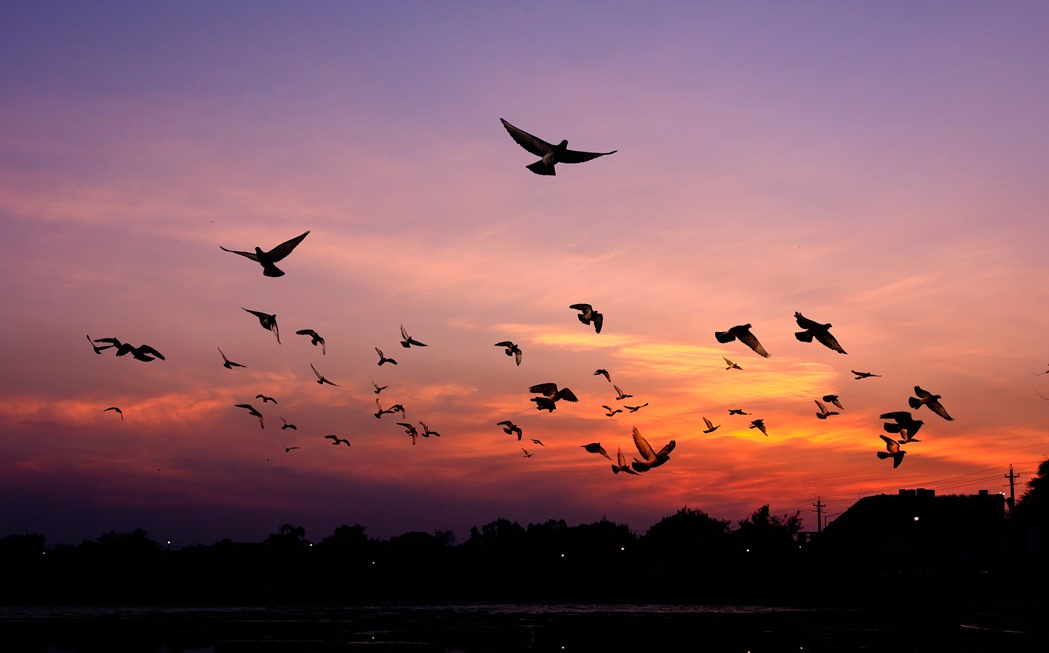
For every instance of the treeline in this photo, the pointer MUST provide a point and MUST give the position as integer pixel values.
(687, 556)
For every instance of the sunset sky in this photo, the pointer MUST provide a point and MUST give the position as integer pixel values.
(881, 166)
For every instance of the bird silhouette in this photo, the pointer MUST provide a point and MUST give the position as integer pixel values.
(619, 393)
(287, 449)
(823, 413)
(539, 442)
(710, 426)
(821, 332)
(737, 411)
(251, 409)
(407, 341)
(320, 378)
(285, 425)
(759, 424)
(929, 400)
(610, 412)
(397, 408)
(382, 358)
(265, 398)
(379, 388)
(650, 457)
(427, 432)
(410, 429)
(621, 464)
(268, 321)
(634, 409)
(742, 333)
(510, 428)
(267, 259)
(315, 339)
(863, 375)
(526, 454)
(511, 349)
(595, 447)
(892, 450)
(143, 353)
(587, 315)
(603, 372)
(227, 363)
(550, 154)
(98, 350)
(903, 423)
(731, 365)
(336, 440)
(834, 400)
(551, 395)
(116, 410)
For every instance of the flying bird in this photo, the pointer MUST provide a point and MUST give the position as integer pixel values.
(383, 411)
(551, 154)
(98, 350)
(603, 372)
(834, 400)
(511, 428)
(893, 451)
(551, 395)
(539, 442)
(383, 359)
(619, 393)
(813, 329)
(427, 432)
(903, 423)
(511, 349)
(142, 352)
(731, 365)
(610, 412)
(587, 315)
(264, 398)
(929, 400)
(116, 410)
(410, 430)
(634, 409)
(379, 388)
(737, 411)
(336, 440)
(863, 375)
(251, 409)
(227, 363)
(621, 464)
(267, 321)
(320, 378)
(526, 454)
(759, 424)
(742, 333)
(651, 458)
(288, 449)
(267, 259)
(710, 426)
(407, 341)
(824, 412)
(285, 425)
(595, 447)
(315, 339)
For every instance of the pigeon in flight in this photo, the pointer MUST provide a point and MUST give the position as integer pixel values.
(379, 388)
(336, 440)
(833, 399)
(710, 426)
(551, 395)
(634, 409)
(383, 359)
(610, 411)
(320, 378)
(824, 412)
(251, 409)
(903, 423)
(289, 449)
(143, 353)
(526, 454)
(267, 321)
(285, 425)
(265, 398)
(893, 451)
(759, 424)
(407, 341)
(315, 339)
(267, 259)
(511, 349)
(595, 447)
(227, 363)
(731, 365)
(603, 372)
(821, 332)
(619, 393)
(651, 458)
(386, 411)
(539, 442)
(510, 428)
(427, 432)
(929, 400)
(742, 333)
(863, 375)
(551, 154)
(737, 411)
(116, 410)
(621, 464)
(587, 315)
(410, 430)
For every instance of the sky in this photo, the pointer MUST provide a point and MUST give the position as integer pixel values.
(877, 166)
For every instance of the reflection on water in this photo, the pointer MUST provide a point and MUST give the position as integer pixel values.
(492, 627)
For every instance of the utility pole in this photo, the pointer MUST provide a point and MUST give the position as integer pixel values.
(819, 515)
(1012, 488)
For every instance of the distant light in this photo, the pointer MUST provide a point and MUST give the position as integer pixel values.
(562, 555)
(916, 518)
(622, 548)
(748, 550)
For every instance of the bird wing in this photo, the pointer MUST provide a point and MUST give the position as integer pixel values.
(282, 250)
(315, 371)
(599, 320)
(545, 389)
(533, 144)
(146, 349)
(938, 408)
(585, 308)
(826, 339)
(643, 447)
(504, 343)
(665, 451)
(891, 445)
(575, 156)
(806, 323)
(250, 255)
(923, 394)
(567, 395)
(819, 404)
(748, 338)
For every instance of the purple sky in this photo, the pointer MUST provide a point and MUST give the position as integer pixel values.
(878, 166)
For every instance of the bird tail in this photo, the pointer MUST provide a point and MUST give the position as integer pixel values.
(914, 402)
(615, 468)
(541, 168)
(804, 336)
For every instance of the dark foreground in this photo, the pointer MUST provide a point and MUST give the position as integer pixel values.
(482, 628)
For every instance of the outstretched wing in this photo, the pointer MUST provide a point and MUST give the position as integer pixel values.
(575, 156)
(826, 339)
(749, 339)
(250, 255)
(806, 323)
(643, 447)
(533, 144)
(282, 250)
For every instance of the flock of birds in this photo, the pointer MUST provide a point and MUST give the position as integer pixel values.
(900, 423)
